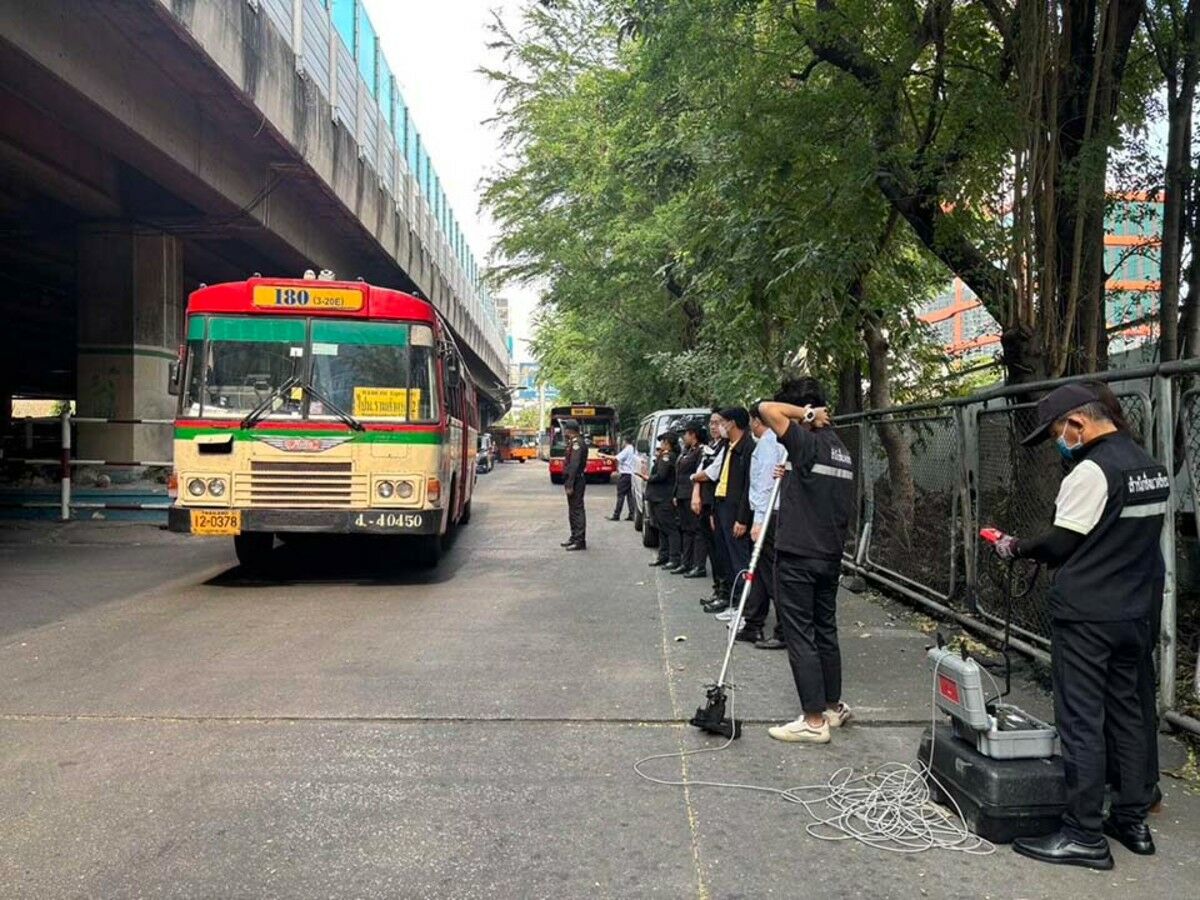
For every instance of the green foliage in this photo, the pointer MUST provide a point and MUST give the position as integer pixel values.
(706, 201)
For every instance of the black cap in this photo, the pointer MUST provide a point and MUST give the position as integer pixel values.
(1054, 406)
(569, 425)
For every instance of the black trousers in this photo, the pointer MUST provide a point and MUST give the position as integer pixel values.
(713, 548)
(576, 514)
(806, 603)
(1096, 668)
(737, 550)
(763, 588)
(666, 519)
(624, 483)
(691, 547)
(1148, 690)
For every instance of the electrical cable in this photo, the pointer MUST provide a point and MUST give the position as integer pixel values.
(890, 808)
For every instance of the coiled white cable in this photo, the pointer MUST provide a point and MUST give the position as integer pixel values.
(888, 809)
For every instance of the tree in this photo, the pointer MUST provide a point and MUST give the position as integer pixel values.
(959, 95)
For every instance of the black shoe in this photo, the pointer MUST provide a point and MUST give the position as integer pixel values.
(1063, 850)
(750, 635)
(582, 545)
(613, 518)
(659, 562)
(567, 543)
(676, 569)
(716, 606)
(695, 573)
(771, 643)
(1135, 836)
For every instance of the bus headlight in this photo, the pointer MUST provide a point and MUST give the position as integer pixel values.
(196, 487)
(404, 490)
(216, 487)
(385, 489)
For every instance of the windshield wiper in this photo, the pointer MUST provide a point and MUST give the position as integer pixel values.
(256, 414)
(334, 408)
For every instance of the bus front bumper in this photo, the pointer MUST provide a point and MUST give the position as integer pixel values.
(328, 521)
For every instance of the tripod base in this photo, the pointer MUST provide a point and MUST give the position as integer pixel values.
(711, 716)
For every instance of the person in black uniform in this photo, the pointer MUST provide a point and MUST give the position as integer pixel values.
(575, 482)
(660, 494)
(814, 515)
(731, 498)
(703, 498)
(692, 553)
(1106, 587)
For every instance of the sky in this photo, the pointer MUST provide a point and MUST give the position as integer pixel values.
(434, 50)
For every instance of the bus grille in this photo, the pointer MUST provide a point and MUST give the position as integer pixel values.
(301, 485)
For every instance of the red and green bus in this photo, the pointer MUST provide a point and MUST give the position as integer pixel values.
(598, 425)
(321, 406)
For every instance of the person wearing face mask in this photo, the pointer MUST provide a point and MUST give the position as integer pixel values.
(1107, 583)
(704, 487)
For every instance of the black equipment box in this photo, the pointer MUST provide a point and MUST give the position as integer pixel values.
(1000, 799)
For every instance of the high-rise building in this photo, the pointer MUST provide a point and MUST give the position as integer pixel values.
(1132, 241)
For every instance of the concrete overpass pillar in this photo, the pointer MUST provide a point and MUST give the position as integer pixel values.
(130, 312)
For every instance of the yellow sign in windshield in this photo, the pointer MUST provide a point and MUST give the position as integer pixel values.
(583, 410)
(281, 297)
(389, 403)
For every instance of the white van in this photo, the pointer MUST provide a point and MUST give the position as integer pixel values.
(645, 443)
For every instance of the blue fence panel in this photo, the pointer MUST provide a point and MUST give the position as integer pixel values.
(343, 12)
(366, 49)
(315, 44)
(367, 122)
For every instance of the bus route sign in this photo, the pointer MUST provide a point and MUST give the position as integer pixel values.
(290, 297)
(583, 410)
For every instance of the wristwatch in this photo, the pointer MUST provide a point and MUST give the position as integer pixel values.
(810, 415)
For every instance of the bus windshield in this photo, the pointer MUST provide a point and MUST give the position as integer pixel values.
(372, 370)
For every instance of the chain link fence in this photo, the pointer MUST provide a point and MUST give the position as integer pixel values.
(911, 482)
(929, 476)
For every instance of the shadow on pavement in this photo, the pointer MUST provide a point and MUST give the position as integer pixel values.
(341, 559)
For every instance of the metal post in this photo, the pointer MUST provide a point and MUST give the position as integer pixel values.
(333, 66)
(967, 422)
(65, 465)
(28, 433)
(298, 33)
(1164, 388)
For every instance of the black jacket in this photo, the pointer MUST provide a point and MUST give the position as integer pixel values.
(661, 483)
(738, 482)
(688, 462)
(575, 461)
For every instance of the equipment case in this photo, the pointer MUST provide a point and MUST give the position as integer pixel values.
(1000, 799)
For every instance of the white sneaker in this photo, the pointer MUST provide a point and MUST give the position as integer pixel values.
(800, 732)
(836, 718)
(725, 615)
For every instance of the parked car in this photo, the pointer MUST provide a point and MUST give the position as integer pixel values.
(644, 442)
(486, 460)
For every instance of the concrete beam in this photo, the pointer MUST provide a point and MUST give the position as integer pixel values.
(205, 99)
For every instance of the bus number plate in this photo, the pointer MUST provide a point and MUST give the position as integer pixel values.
(398, 521)
(216, 521)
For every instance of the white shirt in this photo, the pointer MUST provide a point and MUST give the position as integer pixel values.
(713, 472)
(1082, 497)
(768, 453)
(626, 460)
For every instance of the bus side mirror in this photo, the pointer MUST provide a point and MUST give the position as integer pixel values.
(174, 374)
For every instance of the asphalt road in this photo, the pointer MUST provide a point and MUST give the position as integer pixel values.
(172, 727)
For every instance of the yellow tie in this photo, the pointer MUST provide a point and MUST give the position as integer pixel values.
(723, 484)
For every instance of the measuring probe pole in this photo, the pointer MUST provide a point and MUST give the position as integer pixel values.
(748, 581)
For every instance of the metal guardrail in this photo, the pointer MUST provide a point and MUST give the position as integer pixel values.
(66, 463)
(931, 474)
